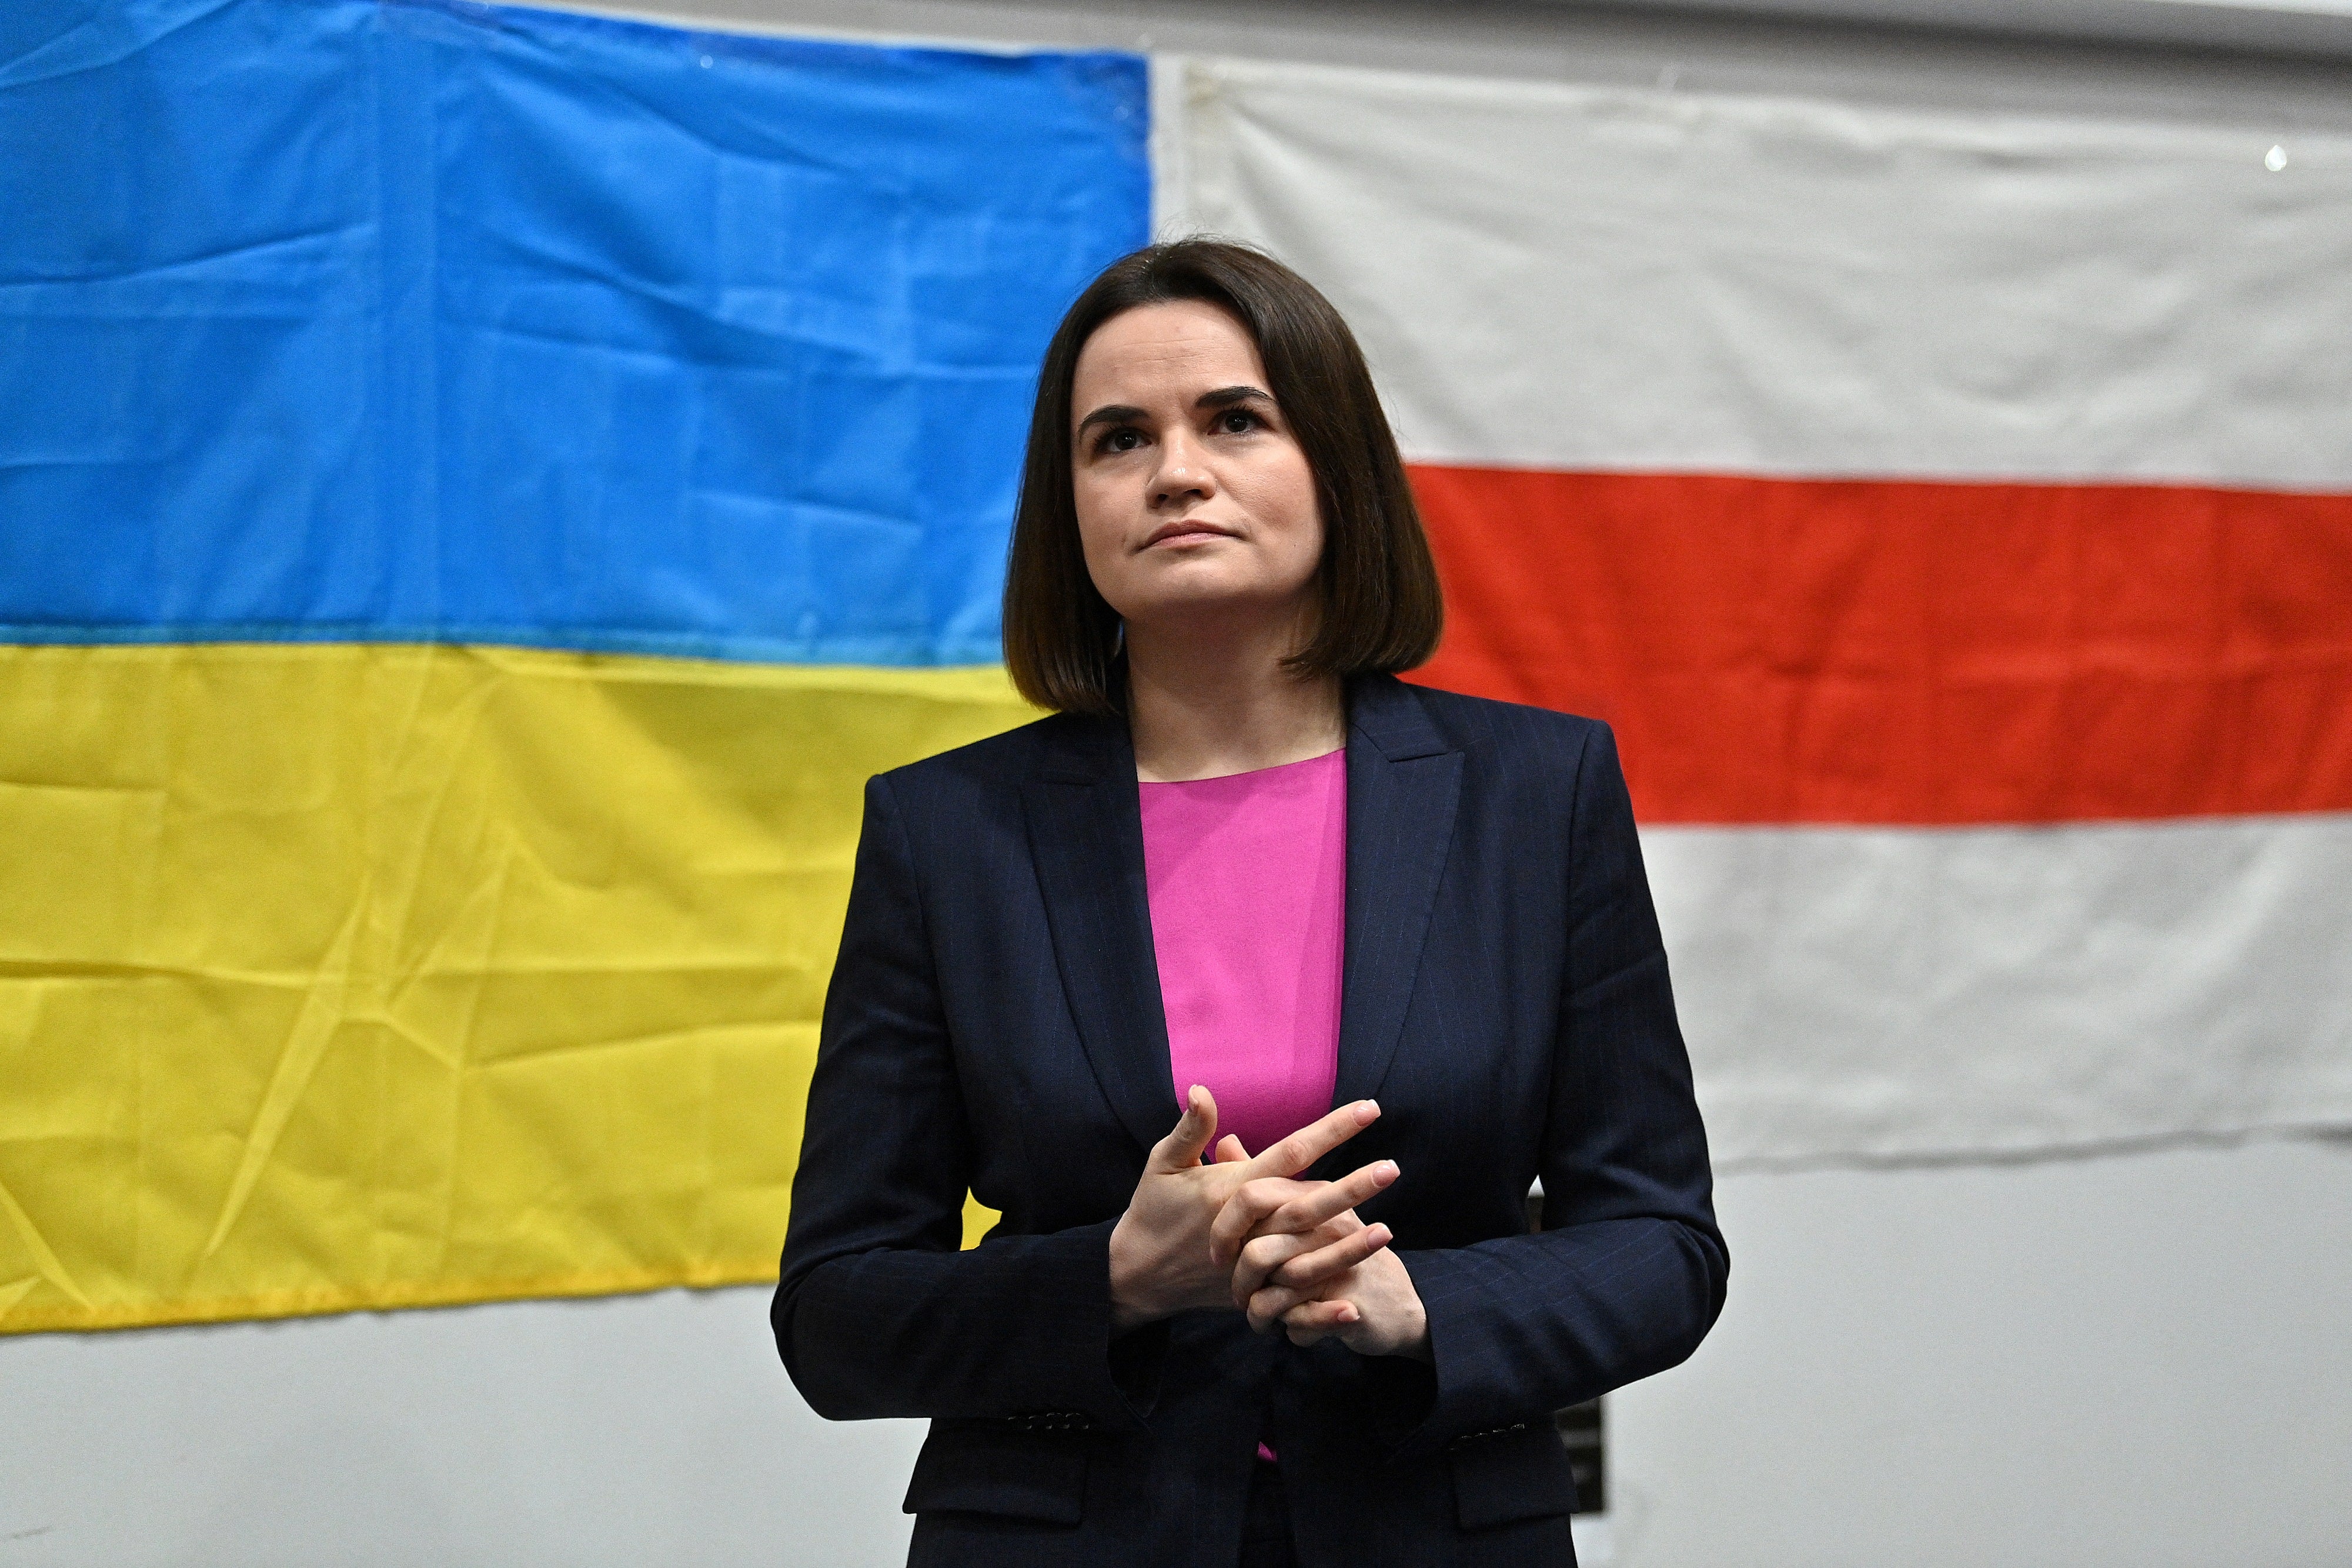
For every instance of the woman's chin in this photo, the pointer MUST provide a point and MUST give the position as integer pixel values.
(1199, 599)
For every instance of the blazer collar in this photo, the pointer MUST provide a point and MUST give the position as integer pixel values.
(1405, 782)
(1087, 748)
(1085, 834)
(1389, 712)
(1085, 838)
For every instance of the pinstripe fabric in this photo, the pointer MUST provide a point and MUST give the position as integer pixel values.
(994, 1021)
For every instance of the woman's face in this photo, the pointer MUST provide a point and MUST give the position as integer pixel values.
(1193, 496)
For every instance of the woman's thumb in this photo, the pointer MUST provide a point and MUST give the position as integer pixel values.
(1192, 1133)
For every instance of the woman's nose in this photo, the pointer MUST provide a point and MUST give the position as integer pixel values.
(1181, 473)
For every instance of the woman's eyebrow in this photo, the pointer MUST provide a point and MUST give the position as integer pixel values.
(1109, 414)
(1226, 397)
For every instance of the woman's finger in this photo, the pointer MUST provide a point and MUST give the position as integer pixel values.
(1329, 1200)
(1261, 1256)
(1180, 1149)
(1279, 1206)
(1311, 1320)
(1268, 1306)
(1245, 1209)
(1308, 1270)
(1230, 1152)
(1312, 1142)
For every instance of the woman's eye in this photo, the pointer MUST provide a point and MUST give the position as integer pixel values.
(1236, 422)
(1122, 441)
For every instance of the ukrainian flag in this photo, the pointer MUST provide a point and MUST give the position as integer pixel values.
(480, 490)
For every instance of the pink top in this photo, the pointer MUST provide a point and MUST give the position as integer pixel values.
(1247, 876)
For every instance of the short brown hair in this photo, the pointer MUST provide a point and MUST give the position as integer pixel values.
(1382, 610)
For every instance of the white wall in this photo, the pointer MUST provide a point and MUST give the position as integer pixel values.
(2141, 1359)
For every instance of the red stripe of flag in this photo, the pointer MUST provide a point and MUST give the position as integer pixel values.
(1899, 651)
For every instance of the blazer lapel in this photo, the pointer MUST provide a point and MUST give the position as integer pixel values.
(1403, 783)
(1085, 836)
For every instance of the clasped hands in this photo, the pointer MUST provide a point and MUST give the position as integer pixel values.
(1242, 1231)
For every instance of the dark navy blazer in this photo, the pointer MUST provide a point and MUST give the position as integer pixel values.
(995, 1023)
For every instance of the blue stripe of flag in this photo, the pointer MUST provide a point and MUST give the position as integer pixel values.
(339, 319)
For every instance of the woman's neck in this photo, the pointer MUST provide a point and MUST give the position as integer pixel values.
(1204, 704)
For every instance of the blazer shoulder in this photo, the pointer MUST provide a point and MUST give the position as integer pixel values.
(997, 762)
(1510, 732)
(1003, 758)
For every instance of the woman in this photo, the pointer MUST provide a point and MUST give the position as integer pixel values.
(1397, 942)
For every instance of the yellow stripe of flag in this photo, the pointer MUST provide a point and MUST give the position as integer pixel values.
(342, 976)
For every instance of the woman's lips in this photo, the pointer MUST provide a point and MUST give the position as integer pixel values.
(1186, 537)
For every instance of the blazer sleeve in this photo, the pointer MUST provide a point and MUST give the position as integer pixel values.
(877, 1313)
(1629, 1271)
